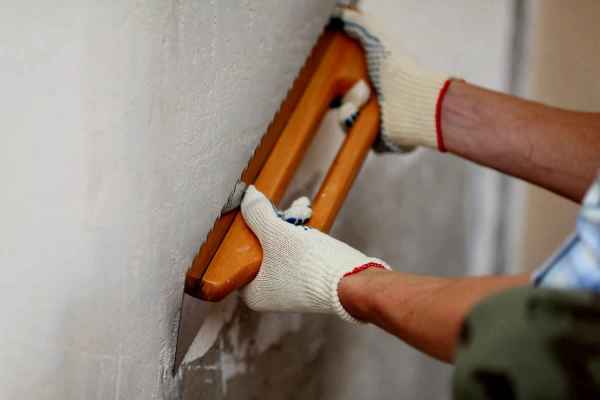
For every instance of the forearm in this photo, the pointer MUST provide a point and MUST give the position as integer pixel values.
(425, 312)
(556, 149)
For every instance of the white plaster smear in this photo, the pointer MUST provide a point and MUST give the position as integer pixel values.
(271, 329)
(234, 359)
(210, 329)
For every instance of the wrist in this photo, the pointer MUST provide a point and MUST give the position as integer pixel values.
(457, 118)
(355, 293)
(467, 119)
(411, 108)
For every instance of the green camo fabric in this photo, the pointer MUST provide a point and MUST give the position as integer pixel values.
(531, 343)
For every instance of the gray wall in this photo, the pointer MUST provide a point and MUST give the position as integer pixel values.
(125, 124)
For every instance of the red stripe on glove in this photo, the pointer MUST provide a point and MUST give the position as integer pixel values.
(438, 116)
(363, 267)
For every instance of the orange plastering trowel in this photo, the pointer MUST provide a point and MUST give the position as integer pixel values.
(231, 255)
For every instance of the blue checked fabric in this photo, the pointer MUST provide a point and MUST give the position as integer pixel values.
(577, 264)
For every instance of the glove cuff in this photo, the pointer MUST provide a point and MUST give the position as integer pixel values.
(411, 108)
(337, 306)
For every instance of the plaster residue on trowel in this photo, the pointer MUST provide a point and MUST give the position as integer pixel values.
(244, 248)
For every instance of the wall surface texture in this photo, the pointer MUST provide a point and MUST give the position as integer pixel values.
(128, 124)
(125, 125)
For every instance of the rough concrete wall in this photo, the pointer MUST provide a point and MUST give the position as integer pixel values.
(126, 125)
(563, 65)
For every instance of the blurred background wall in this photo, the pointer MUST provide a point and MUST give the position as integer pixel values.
(424, 212)
(562, 70)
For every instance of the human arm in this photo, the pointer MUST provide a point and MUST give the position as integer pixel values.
(550, 147)
(553, 148)
(304, 270)
(425, 312)
(428, 312)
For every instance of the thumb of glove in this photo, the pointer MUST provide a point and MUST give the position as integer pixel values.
(259, 214)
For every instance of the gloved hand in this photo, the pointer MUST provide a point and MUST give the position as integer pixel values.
(301, 267)
(409, 97)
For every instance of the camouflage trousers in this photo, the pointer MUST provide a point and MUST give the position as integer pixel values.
(531, 343)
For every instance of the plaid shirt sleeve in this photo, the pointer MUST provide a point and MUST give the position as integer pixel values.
(576, 265)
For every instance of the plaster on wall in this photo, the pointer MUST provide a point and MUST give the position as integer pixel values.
(127, 126)
(210, 329)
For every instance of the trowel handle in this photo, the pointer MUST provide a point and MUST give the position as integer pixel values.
(239, 255)
(346, 166)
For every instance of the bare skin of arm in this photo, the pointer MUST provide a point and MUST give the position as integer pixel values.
(424, 311)
(553, 148)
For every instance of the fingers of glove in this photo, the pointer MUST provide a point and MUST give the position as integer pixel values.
(358, 94)
(259, 214)
(347, 114)
(349, 15)
(299, 212)
(301, 202)
(358, 25)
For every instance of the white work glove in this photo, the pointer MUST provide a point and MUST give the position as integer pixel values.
(409, 97)
(301, 267)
